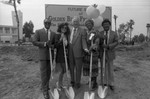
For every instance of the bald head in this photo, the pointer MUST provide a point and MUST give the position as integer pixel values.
(75, 18)
(75, 21)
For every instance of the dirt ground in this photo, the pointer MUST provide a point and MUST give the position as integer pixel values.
(20, 75)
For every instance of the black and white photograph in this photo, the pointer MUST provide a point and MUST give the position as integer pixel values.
(74, 49)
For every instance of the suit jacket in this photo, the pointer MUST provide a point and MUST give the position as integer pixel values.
(78, 43)
(39, 38)
(112, 42)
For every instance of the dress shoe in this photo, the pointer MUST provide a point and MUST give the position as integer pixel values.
(94, 86)
(72, 84)
(111, 87)
(77, 86)
(46, 95)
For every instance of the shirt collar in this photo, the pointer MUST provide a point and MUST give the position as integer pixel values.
(75, 28)
(46, 29)
(108, 32)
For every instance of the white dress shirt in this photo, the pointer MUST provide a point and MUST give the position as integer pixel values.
(49, 34)
(72, 33)
(108, 35)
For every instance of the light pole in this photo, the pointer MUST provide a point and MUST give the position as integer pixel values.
(148, 31)
(115, 18)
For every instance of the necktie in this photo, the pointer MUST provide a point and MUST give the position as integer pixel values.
(48, 33)
(72, 34)
(75, 29)
(106, 37)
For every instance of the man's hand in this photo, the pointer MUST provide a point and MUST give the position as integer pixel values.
(86, 51)
(104, 37)
(48, 43)
(94, 48)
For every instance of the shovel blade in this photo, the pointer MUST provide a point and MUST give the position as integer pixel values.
(92, 95)
(55, 94)
(71, 92)
(52, 93)
(102, 92)
(67, 93)
(86, 95)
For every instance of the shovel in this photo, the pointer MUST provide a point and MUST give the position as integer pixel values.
(55, 94)
(69, 92)
(66, 62)
(103, 90)
(52, 63)
(90, 95)
(50, 55)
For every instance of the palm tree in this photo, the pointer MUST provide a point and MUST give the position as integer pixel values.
(130, 24)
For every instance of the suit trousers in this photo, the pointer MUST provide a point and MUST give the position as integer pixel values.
(76, 69)
(109, 73)
(45, 74)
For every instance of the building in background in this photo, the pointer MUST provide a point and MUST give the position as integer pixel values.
(9, 34)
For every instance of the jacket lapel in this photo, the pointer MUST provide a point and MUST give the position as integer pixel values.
(75, 37)
(43, 34)
(110, 37)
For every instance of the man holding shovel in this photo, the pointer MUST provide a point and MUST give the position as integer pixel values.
(44, 39)
(77, 45)
(111, 41)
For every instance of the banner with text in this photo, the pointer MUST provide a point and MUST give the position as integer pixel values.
(65, 13)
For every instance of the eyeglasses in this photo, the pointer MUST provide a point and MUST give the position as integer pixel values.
(47, 23)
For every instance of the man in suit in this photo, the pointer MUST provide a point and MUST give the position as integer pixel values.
(44, 39)
(77, 45)
(111, 38)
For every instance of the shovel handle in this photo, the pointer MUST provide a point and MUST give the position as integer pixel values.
(51, 63)
(66, 60)
(90, 70)
(50, 55)
(99, 66)
(104, 62)
(91, 56)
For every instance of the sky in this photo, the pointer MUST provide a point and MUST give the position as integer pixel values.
(34, 10)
